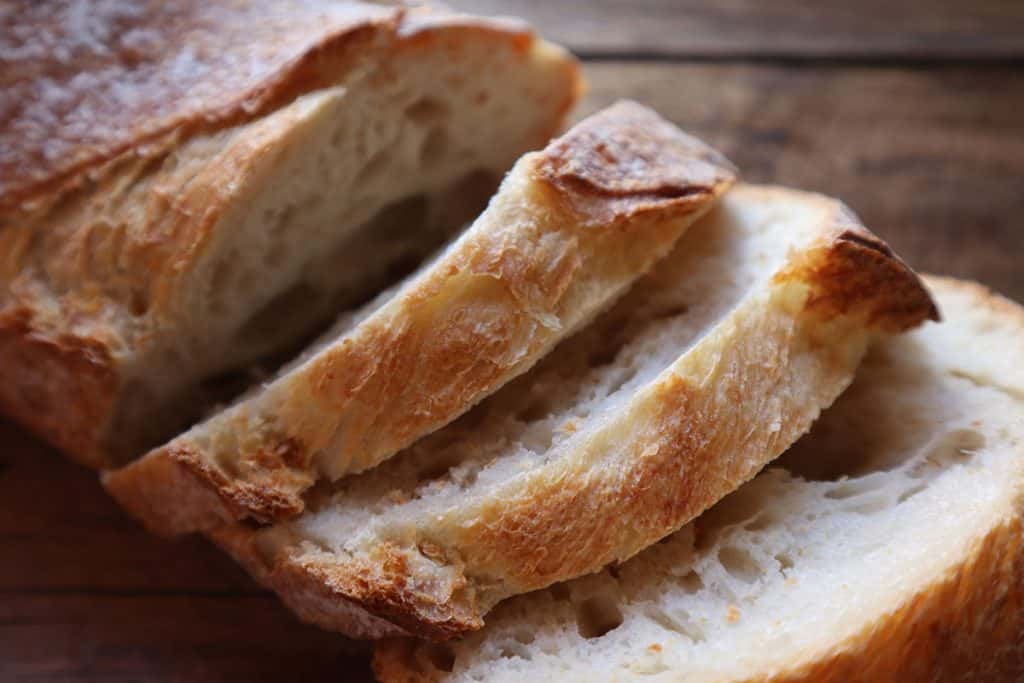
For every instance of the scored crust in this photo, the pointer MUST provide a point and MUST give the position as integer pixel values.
(965, 624)
(574, 524)
(571, 228)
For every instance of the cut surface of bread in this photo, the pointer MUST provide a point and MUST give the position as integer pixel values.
(210, 208)
(712, 365)
(570, 229)
(886, 545)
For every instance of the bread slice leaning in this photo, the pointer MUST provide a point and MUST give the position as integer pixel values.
(571, 228)
(885, 546)
(711, 366)
(176, 209)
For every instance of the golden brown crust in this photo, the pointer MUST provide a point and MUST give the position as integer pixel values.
(86, 89)
(583, 523)
(497, 302)
(572, 525)
(59, 385)
(623, 161)
(308, 593)
(860, 275)
(967, 625)
(160, 479)
(125, 171)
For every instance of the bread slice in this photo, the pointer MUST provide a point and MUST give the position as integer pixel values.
(885, 546)
(188, 187)
(571, 228)
(711, 366)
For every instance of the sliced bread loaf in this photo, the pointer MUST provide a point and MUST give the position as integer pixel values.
(885, 546)
(571, 228)
(711, 366)
(187, 187)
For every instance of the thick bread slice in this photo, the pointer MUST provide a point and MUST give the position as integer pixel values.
(885, 546)
(710, 367)
(188, 187)
(571, 228)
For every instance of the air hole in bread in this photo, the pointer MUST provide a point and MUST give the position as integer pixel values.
(954, 448)
(597, 616)
(535, 410)
(605, 354)
(871, 505)
(436, 469)
(911, 492)
(729, 512)
(690, 582)
(678, 621)
(538, 437)
(523, 636)
(785, 560)
(513, 650)
(671, 311)
(849, 488)
(739, 564)
(761, 522)
(440, 657)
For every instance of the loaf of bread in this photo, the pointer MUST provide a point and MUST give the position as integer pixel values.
(188, 187)
(885, 546)
(571, 228)
(711, 366)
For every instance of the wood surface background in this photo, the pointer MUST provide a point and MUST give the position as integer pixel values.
(913, 112)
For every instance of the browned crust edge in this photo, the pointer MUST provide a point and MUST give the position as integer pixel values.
(654, 509)
(359, 607)
(966, 625)
(309, 69)
(582, 174)
(61, 386)
(862, 276)
(78, 411)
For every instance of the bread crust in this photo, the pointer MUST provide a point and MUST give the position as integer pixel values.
(59, 384)
(164, 69)
(966, 624)
(501, 297)
(102, 216)
(568, 525)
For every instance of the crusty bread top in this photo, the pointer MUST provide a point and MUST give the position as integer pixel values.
(885, 546)
(81, 83)
(573, 226)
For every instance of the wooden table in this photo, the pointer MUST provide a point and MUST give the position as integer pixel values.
(911, 111)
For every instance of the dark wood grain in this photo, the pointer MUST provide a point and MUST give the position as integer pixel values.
(87, 595)
(797, 29)
(931, 159)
